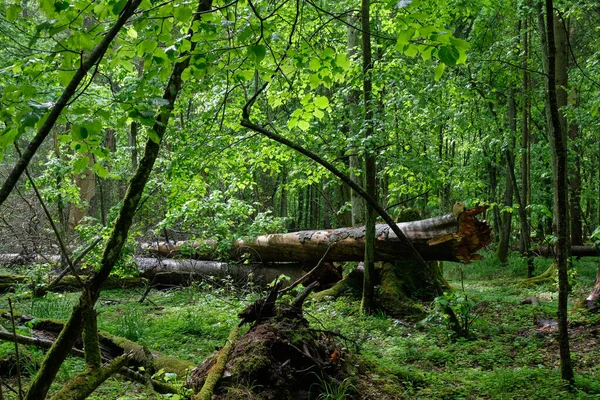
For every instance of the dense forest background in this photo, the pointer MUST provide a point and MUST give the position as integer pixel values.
(444, 129)
(127, 122)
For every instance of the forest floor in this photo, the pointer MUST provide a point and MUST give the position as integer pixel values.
(512, 352)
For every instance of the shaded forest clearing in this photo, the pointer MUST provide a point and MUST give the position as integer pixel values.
(512, 351)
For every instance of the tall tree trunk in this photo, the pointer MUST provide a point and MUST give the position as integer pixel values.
(356, 164)
(559, 155)
(64, 343)
(506, 218)
(575, 179)
(367, 303)
(524, 237)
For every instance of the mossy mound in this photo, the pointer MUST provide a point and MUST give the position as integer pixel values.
(280, 358)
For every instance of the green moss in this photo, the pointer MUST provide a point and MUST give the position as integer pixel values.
(253, 363)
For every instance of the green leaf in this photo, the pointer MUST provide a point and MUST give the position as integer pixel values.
(81, 164)
(318, 113)
(426, 52)
(64, 77)
(148, 46)
(186, 45)
(292, 123)
(460, 44)
(449, 55)
(60, 6)
(182, 13)
(405, 36)
(118, 7)
(439, 70)
(132, 33)
(79, 132)
(100, 170)
(186, 74)
(412, 50)
(12, 12)
(314, 64)
(304, 125)
(321, 102)
(342, 61)
(315, 81)
(258, 52)
(153, 136)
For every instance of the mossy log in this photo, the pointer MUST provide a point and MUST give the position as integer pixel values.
(112, 346)
(351, 285)
(84, 384)
(9, 282)
(399, 283)
(40, 343)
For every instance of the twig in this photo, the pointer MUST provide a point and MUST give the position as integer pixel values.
(407, 200)
(12, 319)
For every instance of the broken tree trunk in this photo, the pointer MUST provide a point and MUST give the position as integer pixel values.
(445, 238)
(593, 300)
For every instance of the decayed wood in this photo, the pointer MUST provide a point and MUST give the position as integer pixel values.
(445, 238)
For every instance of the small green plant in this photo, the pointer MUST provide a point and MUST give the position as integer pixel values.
(457, 312)
(132, 325)
(192, 323)
(332, 390)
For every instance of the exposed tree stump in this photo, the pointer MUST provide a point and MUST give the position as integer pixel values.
(278, 358)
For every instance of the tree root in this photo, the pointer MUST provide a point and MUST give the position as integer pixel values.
(547, 276)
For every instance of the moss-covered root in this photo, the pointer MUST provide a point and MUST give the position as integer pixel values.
(548, 275)
(81, 386)
(217, 370)
(352, 283)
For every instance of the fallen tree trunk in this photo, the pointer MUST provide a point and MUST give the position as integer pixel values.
(169, 271)
(576, 251)
(445, 238)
